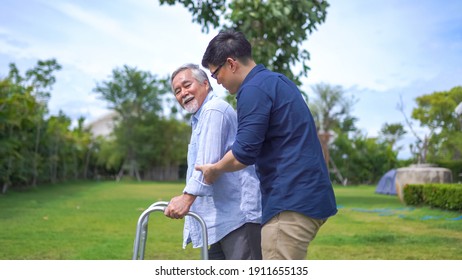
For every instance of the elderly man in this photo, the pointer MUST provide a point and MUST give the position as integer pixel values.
(231, 207)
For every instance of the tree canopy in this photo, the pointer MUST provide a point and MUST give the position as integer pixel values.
(275, 28)
(144, 140)
(436, 111)
(35, 148)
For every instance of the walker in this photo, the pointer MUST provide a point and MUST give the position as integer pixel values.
(142, 230)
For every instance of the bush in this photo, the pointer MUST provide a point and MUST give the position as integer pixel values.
(413, 194)
(444, 196)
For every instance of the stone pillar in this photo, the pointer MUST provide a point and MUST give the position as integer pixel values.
(420, 174)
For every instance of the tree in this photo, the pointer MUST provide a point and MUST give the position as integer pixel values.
(59, 148)
(331, 108)
(144, 140)
(420, 149)
(83, 148)
(34, 149)
(162, 147)
(436, 111)
(275, 28)
(39, 81)
(24, 103)
(331, 112)
(361, 159)
(17, 107)
(392, 133)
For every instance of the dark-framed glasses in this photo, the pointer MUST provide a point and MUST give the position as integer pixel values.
(215, 73)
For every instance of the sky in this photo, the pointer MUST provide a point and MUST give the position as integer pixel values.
(378, 51)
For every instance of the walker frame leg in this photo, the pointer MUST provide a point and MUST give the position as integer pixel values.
(142, 231)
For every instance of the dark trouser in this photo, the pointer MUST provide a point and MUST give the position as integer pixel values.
(243, 243)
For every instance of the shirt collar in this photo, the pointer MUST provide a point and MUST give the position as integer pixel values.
(252, 73)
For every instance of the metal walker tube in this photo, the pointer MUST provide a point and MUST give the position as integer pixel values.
(142, 230)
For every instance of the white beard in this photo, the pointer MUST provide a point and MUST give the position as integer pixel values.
(192, 106)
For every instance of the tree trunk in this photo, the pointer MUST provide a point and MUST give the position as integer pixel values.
(87, 162)
(54, 164)
(5, 188)
(76, 165)
(342, 180)
(121, 172)
(35, 164)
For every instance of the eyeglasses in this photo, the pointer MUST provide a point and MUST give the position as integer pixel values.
(215, 73)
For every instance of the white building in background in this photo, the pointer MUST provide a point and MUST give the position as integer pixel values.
(459, 109)
(104, 125)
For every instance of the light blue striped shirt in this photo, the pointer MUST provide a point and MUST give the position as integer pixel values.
(234, 199)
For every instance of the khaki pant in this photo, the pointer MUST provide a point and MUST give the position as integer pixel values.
(287, 236)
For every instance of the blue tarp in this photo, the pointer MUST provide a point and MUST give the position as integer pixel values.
(387, 184)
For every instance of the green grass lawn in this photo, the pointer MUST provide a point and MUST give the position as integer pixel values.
(97, 220)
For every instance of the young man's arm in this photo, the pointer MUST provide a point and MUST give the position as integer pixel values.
(228, 163)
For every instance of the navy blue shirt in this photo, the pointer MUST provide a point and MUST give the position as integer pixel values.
(277, 133)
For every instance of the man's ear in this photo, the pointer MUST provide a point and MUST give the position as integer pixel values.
(232, 64)
(207, 85)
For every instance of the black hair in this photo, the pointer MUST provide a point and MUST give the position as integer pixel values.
(228, 43)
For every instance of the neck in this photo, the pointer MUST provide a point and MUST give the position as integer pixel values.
(247, 68)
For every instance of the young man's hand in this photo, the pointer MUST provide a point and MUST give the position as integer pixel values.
(210, 175)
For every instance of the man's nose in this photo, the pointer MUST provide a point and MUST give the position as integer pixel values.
(183, 92)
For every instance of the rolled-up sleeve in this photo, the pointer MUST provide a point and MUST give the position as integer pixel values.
(254, 107)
